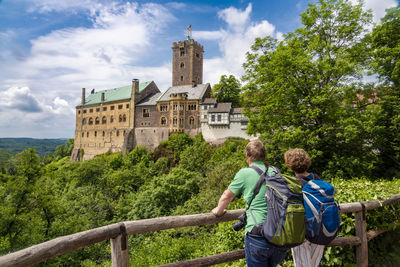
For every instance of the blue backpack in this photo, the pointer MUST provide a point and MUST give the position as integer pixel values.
(322, 212)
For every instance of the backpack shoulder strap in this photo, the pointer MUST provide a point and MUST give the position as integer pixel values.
(259, 183)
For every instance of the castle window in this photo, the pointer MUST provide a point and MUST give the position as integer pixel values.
(90, 121)
(104, 120)
(181, 107)
(97, 121)
(124, 117)
(97, 109)
(117, 132)
(91, 110)
(120, 118)
(181, 78)
(175, 121)
(182, 51)
(197, 55)
(127, 105)
(181, 121)
(182, 65)
(163, 121)
(83, 134)
(219, 118)
(212, 118)
(87, 134)
(84, 121)
(191, 121)
(104, 108)
(146, 113)
(112, 108)
(124, 132)
(175, 107)
(79, 112)
(111, 119)
(120, 106)
(192, 107)
(104, 133)
(164, 108)
(95, 133)
(84, 111)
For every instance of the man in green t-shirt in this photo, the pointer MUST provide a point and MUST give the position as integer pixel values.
(259, 252)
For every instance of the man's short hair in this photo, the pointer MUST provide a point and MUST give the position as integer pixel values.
(297, 160)
(255, 151)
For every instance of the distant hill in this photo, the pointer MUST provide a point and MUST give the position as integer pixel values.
(42, 146)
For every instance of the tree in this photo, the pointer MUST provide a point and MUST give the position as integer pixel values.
(385, 42)
(301, 92)
(227, 90)
(64, 150)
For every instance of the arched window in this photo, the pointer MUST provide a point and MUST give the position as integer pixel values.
(83, 134)
(111, 119)
(95, 133)
(175, 121)
(163, 121)
(117, 132)
(84, 121)
(124, 118)
(90, 121)
(87, 134)
(104, 133)
(191, 121)
(181, 121)
(104, 120)
(182, 65)
(97, 121)
(120, 118)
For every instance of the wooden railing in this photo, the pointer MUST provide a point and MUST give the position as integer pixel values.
(117, 234)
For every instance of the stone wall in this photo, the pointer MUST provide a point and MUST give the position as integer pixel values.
(101, 128)
(150, 137)
(187, 63)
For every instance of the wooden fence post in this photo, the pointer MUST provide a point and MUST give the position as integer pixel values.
(361, 232)
(119, 249)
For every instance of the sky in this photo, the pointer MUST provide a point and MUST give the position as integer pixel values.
(50, 49)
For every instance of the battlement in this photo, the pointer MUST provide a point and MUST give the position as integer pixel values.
(182, 44)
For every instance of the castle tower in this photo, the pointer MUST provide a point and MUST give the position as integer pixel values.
(187, 62)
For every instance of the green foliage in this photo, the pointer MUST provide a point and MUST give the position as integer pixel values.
(227, 90)
(302, 91)
(42, 146)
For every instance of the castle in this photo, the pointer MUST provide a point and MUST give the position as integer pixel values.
(121, 118)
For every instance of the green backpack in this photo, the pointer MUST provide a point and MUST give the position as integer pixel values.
(284, 225)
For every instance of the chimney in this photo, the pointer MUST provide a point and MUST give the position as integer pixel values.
(135, 85)
(83, 96)
(102, 97)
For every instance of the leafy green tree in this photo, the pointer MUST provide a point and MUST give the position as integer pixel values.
(64, 150)
(385, 42)
(227, 90)
(301, 92)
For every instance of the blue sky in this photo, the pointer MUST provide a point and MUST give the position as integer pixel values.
(50, 49)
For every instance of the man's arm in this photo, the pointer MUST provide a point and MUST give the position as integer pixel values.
(223, 202)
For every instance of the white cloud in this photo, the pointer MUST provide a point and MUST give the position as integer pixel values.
(233, 41)
(19, 98)
(378, 7)
(207, 35)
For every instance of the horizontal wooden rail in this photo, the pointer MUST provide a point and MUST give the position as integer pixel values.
(62, 245)
(59, 246)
